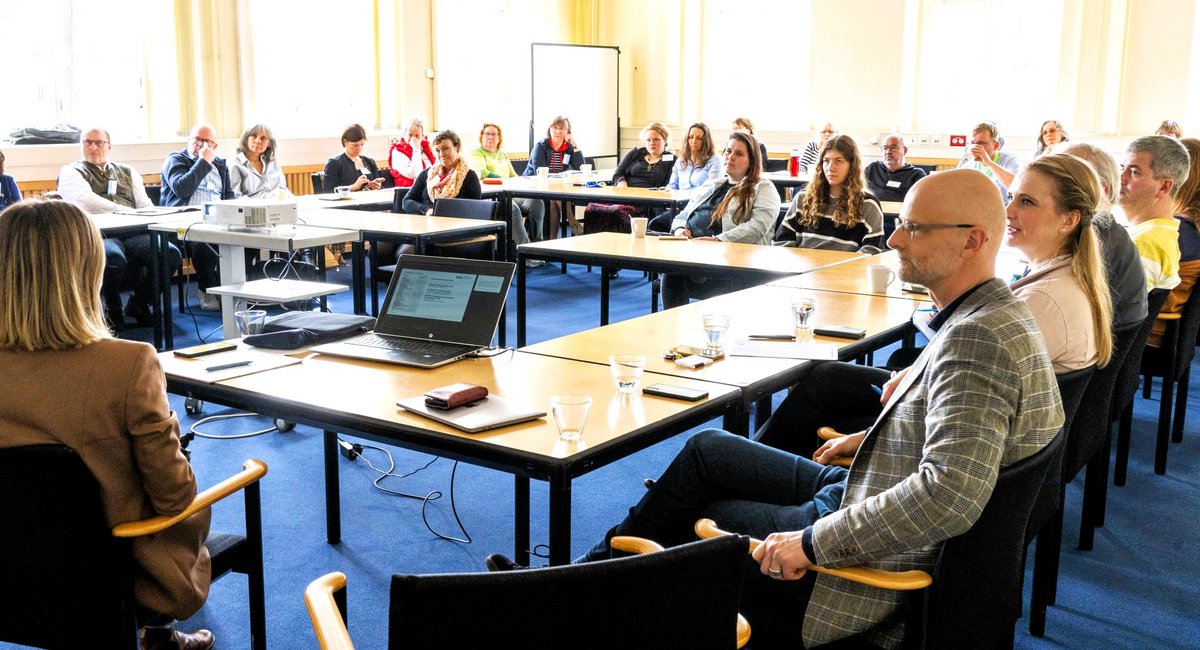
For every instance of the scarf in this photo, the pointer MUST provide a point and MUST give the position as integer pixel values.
(448, 186)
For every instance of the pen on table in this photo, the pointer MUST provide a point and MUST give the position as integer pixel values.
(876, 389)
(771, 337)
(227, 366)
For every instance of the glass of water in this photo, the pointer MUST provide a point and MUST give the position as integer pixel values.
(802, 311)
(570, 414)
(627, 371)
(715, 326)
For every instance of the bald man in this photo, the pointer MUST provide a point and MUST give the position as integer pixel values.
(982, 396)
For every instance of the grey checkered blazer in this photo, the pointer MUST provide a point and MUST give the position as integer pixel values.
(980, 397)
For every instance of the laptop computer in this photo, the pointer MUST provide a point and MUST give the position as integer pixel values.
(437, 310)
(488, 413)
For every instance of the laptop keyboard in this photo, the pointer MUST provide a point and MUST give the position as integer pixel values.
(407, 345)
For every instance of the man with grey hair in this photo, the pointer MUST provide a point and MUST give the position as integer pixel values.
(1154, 168)
(1126, 279)
(983, 154)
(891, 178)
(98, 185)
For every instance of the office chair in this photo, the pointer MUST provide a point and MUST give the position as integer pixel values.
(65, 576)
(318, 183)
(972, 598)
(682, 597)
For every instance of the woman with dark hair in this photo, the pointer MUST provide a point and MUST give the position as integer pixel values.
(351, 168)
(738, 207)
(1051, 133)
(255, 172)
(9, 192)
(52, 336)
(449, 178)
(835, 212)
(698, 161)
(558, 153)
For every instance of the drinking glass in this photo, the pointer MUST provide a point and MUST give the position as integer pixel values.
(570, 414)
(627, 371)
(802, 310)
(715, 326)
(251, 321)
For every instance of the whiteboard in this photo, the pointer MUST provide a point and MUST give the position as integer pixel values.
(580, 83)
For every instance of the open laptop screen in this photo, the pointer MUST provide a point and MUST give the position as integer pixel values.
(445, 299)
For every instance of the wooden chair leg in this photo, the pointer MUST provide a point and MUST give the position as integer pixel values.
(1123, 433)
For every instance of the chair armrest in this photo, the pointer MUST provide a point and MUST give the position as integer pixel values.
(828, 433)
(892, 580)
(638, 545)
(252, 470)
(1172, 316)
(325, 613)
(463, 242)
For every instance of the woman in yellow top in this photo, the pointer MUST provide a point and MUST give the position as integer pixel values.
(490, 162)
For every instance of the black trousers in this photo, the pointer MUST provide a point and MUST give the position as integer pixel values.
(833, 394)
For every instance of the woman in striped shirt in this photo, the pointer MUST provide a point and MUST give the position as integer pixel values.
(835, 212)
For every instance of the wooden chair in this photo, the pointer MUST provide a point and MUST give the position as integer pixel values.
(682, 597)
(66, 577)
(972, 599)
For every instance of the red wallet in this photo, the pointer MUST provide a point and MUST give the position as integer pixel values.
(455, 395)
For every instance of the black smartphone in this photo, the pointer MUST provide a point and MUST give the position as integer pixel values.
(838, 331)
(675, 392)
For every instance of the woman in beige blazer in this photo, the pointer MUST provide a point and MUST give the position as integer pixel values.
(105, 398)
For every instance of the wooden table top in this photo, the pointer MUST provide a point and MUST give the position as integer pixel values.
(758, 310)
(365, 393)
(363, 199)
(692, 253)
(388, 222)
(571, 187)
(851, 277)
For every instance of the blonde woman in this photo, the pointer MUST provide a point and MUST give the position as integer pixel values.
(649, 165)
(815, 146)
(744, 125)
(52, 336)
(835, 212)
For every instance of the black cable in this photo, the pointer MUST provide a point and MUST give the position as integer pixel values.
(433, 495)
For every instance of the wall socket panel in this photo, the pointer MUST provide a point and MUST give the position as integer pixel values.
(922, 138)
(937, 140)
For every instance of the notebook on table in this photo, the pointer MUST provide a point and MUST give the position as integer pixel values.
(437, 310)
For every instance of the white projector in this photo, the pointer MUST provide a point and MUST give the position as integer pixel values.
(249, 213)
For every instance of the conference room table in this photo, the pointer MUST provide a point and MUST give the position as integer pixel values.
(363, 200)
(358, 398)
(746, 264)
(758, 310)
(851, 277)
(417, 229)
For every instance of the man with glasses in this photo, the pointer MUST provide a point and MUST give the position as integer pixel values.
(891, 178)
(983, 154)
(193, 176)
(980, 397)
(98, 185)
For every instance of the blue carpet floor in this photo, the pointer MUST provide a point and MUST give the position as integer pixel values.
(1138, 588)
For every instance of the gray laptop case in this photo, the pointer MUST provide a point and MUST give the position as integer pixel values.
(488, 413)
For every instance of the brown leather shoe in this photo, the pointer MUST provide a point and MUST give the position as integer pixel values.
(168, 638)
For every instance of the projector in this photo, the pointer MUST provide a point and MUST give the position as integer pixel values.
(249, 213)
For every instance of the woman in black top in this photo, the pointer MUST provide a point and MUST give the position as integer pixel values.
(351, 168)
(648, 166)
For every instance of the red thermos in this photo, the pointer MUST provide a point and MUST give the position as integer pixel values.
(794, 163)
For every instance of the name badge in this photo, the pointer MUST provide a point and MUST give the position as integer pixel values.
(893, 183)
(112, 187)
(566, 159)
(668, 157)
(364, 172)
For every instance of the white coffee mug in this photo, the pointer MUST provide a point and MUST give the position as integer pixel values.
(585, 169)
(543, 172)
(879, 277)
(342, 191)
(638, 224)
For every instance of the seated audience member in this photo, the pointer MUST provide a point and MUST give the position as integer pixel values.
(983, 154)
(255, 172)
(698, 161)
(410, 155)
(558, 153)
(890, 510)
(52, 336)
(1187, 212)
(449, 178)
(834, 212)
(488, 161)
(891, 178)
(650, 165)
(9, 192)
(744, 125)
(1052, 133)
(812, 150)
(1154, 168)
(738, 207)
(191, 177)
(98, 185)
(1170, 128)
(351, 168)
(1049, 221)
(1126, 278)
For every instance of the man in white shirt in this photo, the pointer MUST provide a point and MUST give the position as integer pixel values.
(98, 185)
(983, 154)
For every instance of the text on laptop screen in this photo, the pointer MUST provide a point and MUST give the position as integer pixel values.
(439, 295)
